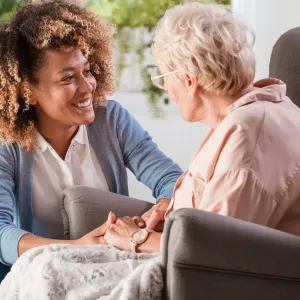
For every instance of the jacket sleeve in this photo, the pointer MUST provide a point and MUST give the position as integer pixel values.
(142, 156)
(10, 234)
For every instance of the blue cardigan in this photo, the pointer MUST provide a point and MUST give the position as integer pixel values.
(118, 141)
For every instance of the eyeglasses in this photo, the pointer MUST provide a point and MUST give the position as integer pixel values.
(158, 78)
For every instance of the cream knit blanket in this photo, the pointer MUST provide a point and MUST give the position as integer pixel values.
(67, 272)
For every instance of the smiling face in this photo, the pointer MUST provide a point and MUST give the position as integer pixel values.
(63, 96)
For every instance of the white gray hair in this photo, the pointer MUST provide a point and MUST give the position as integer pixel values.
(206, 40)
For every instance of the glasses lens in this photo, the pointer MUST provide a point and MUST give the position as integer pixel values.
(161, 82)
(157, 79)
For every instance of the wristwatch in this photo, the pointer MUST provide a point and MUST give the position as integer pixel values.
(139, 237)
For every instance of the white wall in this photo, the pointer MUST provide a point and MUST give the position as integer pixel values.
(269, 19)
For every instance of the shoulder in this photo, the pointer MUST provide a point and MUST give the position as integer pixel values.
(6, 147)
(113, 117)
(236, 138)
(9, 153)
(243, 125)
(110, 111)
(250, 116)
(110, 107)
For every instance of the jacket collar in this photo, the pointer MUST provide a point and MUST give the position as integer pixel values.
(269, 89)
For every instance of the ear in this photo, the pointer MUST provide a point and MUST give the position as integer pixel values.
(191, 84)
(26, 92)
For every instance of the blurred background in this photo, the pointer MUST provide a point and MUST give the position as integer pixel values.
(135, 21)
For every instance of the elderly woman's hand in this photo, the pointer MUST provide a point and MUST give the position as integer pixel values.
(119, 234)
(155, 217)
(95, 237)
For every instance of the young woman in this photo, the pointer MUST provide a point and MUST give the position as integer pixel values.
(58, 129)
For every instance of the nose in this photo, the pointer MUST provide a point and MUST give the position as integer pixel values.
(86, 85)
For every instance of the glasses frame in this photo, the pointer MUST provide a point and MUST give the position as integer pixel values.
(160, 76)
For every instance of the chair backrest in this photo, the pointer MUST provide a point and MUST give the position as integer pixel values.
(285, 62)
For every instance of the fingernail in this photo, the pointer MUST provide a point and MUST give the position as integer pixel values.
(140, 224)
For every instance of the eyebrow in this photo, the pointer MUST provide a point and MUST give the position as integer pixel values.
(66, 69)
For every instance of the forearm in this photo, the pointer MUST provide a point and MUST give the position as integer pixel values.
(142, 156)
(29, 241)
(152, 243)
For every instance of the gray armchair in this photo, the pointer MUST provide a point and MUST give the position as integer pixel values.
(205, 256)
(208, 256)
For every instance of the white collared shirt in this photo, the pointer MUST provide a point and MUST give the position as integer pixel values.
(52, 174)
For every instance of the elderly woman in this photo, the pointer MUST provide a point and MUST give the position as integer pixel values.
(57, 128)
(248, 165)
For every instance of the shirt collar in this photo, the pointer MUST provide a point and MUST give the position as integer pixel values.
(269, 89)
(43, 144)
(81, 137)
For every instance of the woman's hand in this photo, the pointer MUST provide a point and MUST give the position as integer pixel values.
(95, 237)
(155, 217)
(119, 234)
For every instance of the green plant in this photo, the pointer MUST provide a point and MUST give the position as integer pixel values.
(128, 15)
(7, 8)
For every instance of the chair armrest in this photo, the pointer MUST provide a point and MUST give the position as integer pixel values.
(203, 241)
(85, 208)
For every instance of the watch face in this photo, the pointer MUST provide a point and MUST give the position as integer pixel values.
(139, 236)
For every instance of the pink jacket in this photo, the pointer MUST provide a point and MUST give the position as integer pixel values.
(249, 166)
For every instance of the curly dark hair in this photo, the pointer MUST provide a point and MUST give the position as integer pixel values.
(36, 27)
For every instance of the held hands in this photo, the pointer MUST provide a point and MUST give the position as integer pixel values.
(115, 232)
(119, 234)
(95, 237)
(155, 217)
